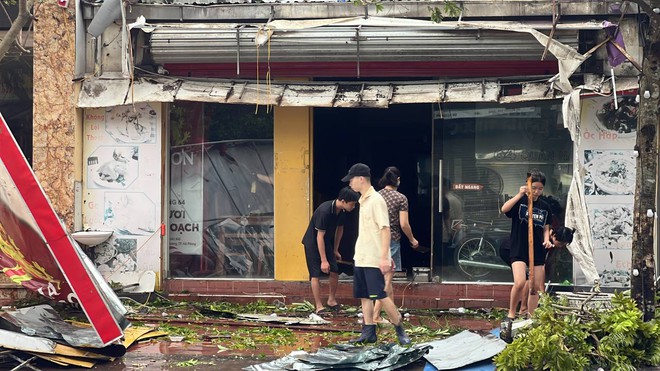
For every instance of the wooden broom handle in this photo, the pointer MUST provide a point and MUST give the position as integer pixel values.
(530, 235)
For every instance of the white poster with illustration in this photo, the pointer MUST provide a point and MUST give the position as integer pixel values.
(122, 187)
(608, 134)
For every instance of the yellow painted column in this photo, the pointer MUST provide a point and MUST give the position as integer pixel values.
(293, 191)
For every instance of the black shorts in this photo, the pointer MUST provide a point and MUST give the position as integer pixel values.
(368, 283)
(314, 261)
(538, 261)
(522, 255)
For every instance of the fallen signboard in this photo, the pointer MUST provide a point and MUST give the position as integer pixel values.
(37, 252)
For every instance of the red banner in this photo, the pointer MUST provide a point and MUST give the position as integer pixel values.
(37, 252)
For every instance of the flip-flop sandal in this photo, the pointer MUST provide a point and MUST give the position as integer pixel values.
(334, 308)
(324, 311)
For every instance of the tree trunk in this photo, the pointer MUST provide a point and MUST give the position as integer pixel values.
(21, 20)
(643, 264)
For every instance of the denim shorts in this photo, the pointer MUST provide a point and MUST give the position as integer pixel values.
(395, 252)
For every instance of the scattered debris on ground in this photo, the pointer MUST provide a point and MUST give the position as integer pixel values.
(260, 331)
(382, 357)
(38, 333)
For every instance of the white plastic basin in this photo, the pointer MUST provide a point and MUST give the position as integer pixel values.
(91, 238)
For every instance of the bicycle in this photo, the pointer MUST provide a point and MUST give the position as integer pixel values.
(478, 255)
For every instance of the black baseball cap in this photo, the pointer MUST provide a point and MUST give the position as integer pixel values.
(358, 169)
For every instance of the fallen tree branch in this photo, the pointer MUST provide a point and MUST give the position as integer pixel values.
(239, 324)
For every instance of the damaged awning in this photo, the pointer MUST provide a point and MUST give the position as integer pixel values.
(104, 93)
(190, 42)
(98, 92)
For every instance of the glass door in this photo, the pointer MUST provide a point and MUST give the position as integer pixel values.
(482, 153)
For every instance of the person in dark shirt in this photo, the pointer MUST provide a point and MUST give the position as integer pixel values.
(321, 241)
(517, 209)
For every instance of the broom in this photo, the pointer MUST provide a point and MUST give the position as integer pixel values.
(530, 234)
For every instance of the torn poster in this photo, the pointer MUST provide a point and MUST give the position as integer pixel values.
(37, 252)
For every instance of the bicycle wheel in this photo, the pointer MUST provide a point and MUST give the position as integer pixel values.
(472, 261)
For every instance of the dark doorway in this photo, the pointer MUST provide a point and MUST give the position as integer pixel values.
(398, 136)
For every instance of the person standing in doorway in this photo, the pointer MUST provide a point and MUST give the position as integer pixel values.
(321, 241)
(397, 208)
(372, 256)
(452, 223)
(517, 209)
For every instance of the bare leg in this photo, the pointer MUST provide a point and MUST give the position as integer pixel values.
(334, 282)
(519, 278)
(391, 310)
(389, 290)
(524, 299)
(316, 291)
(539, 278)
(367, 311)
(396, 318)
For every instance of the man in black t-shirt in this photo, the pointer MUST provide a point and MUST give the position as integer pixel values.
(321, 241)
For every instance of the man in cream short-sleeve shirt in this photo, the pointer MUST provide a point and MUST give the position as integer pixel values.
(372, 255)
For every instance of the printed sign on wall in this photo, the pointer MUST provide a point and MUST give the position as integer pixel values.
(122, 187)
(608, 137)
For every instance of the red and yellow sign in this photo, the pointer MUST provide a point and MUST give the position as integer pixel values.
(37, 252)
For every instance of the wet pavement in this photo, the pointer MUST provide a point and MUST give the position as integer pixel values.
(163, 356)
(212, 343)
(221, 354)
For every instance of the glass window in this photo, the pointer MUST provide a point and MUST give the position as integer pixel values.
(221, 191)
(486, 151)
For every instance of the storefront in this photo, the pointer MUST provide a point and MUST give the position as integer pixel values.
(223, 168)
(226, 172)
(476, 155)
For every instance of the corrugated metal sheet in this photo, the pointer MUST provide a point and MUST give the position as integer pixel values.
(191, 44)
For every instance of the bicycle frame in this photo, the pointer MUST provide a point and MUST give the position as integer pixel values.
(476, 254)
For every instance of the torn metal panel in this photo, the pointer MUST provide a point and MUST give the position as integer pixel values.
(43, 321)
(111, 92)
(298, 95)
(261, 93)
(472, 92)
(462, 349)
(600, 85)
(144, 90)
(530, 92)
(371, 96)
(17, 341)
(201, 91)
(418, 93)
(569, 59)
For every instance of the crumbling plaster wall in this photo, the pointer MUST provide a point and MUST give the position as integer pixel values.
(54, 111)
